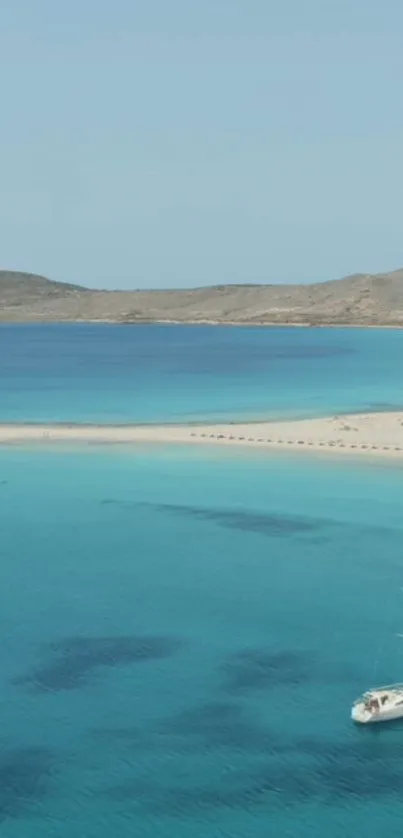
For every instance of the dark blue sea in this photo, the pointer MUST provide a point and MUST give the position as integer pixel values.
(184, 629)
(101, 373)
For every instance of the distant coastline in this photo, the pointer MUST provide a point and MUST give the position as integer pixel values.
(366, 434)
(266, 324)
(359, 301)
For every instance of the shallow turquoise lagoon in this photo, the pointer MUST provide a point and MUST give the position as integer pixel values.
(183, 633)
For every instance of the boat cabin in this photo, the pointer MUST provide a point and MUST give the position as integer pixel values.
(374, 702)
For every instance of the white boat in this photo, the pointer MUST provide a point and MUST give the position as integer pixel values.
(381, 704)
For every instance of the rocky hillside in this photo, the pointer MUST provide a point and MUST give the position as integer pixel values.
(359, 299)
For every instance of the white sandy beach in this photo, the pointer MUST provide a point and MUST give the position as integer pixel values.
(361, 434)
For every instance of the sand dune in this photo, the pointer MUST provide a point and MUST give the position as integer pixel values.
(361, 434)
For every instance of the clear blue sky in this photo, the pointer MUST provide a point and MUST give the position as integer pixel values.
(160, 143)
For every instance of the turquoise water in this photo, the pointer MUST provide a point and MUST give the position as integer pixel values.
(184, 629)
(99, 373)
(183, 632)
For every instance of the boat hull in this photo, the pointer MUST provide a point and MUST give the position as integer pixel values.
(360, 715)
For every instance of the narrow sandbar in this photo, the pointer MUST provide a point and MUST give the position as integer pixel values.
(356, 434)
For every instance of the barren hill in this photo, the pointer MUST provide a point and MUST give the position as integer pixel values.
(361, 299)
